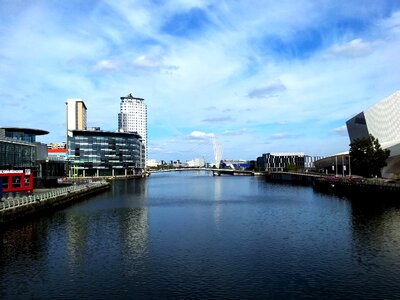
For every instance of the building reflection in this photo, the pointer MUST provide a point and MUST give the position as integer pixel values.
(76, 235)
(133, 233)
(375, 229)
(217, 198)
(117, 222)
(25, 240)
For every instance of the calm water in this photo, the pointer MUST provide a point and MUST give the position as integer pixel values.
(190, 235)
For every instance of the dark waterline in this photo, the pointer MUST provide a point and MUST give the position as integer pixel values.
(190, 235)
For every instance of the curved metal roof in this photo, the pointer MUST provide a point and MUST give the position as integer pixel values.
(26, 130)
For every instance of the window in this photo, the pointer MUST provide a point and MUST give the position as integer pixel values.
(16, 181)
(5, 182)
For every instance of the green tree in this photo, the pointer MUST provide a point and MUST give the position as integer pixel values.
(290, 168)
(367, 157)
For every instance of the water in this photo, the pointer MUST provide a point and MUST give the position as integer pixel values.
(190, 236)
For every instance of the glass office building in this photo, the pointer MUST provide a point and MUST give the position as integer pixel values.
(19, 149)
(16, 154)
(104, 153)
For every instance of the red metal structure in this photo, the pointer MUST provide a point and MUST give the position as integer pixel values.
(16, 180)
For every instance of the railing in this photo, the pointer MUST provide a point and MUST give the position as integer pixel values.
(9, 203)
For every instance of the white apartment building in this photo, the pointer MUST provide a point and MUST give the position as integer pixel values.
(133, 117)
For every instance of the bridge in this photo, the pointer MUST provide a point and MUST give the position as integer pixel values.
(215, 171)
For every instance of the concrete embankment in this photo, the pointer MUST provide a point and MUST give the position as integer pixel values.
(298, 178)
(16, 209)
(366, 188)
(349, 186)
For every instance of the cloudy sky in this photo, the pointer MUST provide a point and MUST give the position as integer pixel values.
(259, 76)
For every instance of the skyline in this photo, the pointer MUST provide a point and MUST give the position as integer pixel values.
(266, 77)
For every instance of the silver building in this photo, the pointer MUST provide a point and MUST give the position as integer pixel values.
(382, 120)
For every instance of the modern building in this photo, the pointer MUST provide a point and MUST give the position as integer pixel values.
(76, 114)
(382, 120)
(234, 164)
(338, 164)
(104, 153)
(273, 162)
(19, 150)
(151, 163)
(133, 117)
(57, 151)
(309, 162)
(195, 163)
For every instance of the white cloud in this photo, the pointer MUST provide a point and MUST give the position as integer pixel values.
(266, 90)
(218, 119)
(153, 63)
(106, 65)
(147, 62)
(199, 135)
(354, 48)
(242, 131)
(342, 130)
(283, 135)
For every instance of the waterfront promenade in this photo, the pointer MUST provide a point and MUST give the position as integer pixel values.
(13, 209)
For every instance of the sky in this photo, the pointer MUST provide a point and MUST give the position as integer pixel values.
(256, 76)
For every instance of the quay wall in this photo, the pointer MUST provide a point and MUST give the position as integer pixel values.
(16, 209)
(339, 185)
(298, 178)
(359, 188)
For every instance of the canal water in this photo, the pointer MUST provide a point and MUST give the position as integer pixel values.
(189, 235)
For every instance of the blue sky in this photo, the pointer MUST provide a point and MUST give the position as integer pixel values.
(260, 76)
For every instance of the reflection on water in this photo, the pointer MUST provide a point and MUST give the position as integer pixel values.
(191, 235)
(217, 198)
(76, 239)
(376, 235)
(133, 235)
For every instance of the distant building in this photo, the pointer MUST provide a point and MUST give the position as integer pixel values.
(273, 162)
(104, 153)
(151, 163)
(133, 117)
(195, 163)
(309, 162)
(234, 164)
(382, 120)
(338, 164)
(76, 114)
(57, 151)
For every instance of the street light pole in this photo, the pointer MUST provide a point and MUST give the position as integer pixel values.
(349, 166)
(335, 165)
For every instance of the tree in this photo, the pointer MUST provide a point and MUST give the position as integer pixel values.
(367, 157)
(290, 168)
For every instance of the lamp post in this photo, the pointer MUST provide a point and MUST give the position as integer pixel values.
(349, 166)
(336, 165)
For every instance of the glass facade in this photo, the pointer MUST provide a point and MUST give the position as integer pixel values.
(102, 153)
(278, 162)
(22, 136)
(16, 155)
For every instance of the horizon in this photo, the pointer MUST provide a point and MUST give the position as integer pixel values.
(266, 77)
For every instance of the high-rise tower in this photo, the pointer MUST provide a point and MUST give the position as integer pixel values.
(76, 114)
(133, 118)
